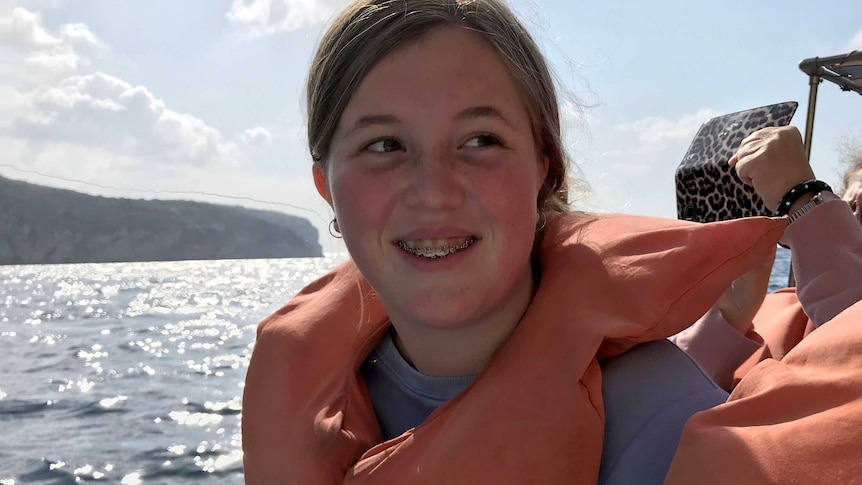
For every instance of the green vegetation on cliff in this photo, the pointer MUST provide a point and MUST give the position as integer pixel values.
(40, 225)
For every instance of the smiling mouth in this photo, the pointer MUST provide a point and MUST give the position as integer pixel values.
(436, 248)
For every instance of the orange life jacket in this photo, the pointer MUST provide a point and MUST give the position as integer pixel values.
(779, 324)
(797, 421)
(535, 414)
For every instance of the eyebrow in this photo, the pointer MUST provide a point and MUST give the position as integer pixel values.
(482, 112)
(372, 120)
(468, 114)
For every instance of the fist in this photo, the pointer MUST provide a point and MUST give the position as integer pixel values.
(772, 160)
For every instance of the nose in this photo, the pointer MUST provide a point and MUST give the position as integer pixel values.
(436, 183)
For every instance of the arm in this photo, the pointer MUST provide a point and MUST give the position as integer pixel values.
(827, 257)
(797, 420)
(826, 250)
(717, 347)
(723, 339)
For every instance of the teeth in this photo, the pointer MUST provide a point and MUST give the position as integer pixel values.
(433, 249)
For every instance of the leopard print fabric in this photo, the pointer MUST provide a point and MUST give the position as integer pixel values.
(707, 188)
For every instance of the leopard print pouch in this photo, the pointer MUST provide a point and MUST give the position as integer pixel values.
(707, 188)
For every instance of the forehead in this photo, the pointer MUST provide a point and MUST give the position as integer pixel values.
(445, 68)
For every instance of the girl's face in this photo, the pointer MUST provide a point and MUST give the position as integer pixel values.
(434, 176)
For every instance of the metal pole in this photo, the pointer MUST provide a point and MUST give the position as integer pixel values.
(814, 82)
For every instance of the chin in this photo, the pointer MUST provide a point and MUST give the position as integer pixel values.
(441, 313)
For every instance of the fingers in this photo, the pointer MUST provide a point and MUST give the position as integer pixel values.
(772, 160)
(734, 162)
(749, 149)
(748, 164)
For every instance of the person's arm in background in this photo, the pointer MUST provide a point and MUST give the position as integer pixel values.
(797, 420)
(826, 251)
(825, 246)
(826, 242)
(718, 346)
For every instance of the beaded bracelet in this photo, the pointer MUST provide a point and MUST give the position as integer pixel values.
(798, 191)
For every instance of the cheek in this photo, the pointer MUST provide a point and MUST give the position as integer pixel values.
(516, 190)
(361, 202)
(511, 198)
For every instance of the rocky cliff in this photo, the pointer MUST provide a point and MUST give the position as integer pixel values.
(41, 225)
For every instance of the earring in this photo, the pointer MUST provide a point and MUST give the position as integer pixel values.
(333, 229)
(544, 219)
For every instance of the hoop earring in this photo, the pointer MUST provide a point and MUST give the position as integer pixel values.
(333, 229)
(544, 220)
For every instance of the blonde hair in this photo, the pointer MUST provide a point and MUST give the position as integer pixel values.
(367, 30)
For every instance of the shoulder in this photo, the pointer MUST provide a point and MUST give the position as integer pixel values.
(649, 393)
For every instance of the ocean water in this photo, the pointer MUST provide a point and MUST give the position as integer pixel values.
(133, 373)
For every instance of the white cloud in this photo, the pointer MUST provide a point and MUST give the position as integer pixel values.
(257, 136)
(264, 17)
(23, 30)
(52, 106)
(856, 42)
(100, 110)
(11, 101)
(655, 133)
(47, 56)
(78, 34)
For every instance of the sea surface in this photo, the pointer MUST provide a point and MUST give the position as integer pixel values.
(132, 373)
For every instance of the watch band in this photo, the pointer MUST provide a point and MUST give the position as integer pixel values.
(797, 192)
(811, 204)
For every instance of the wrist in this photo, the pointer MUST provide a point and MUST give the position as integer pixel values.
(813, 202)
(801, 201)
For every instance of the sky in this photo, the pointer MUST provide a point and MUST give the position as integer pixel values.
(203, 99)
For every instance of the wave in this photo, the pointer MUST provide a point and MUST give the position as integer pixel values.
(18, 408)
(162, 467)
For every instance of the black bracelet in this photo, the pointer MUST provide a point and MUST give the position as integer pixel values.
(798, 191)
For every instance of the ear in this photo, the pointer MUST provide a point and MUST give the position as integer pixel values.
(320, 183)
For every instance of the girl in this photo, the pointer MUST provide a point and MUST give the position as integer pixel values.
(461, 343)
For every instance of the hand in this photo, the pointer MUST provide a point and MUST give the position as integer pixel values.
(741, 300)
(772, 160)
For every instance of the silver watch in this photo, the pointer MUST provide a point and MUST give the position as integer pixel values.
(814, 202)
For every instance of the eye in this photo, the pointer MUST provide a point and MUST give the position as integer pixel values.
(384, 145)
(483, 140)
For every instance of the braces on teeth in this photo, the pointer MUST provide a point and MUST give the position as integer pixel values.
(436, 252)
